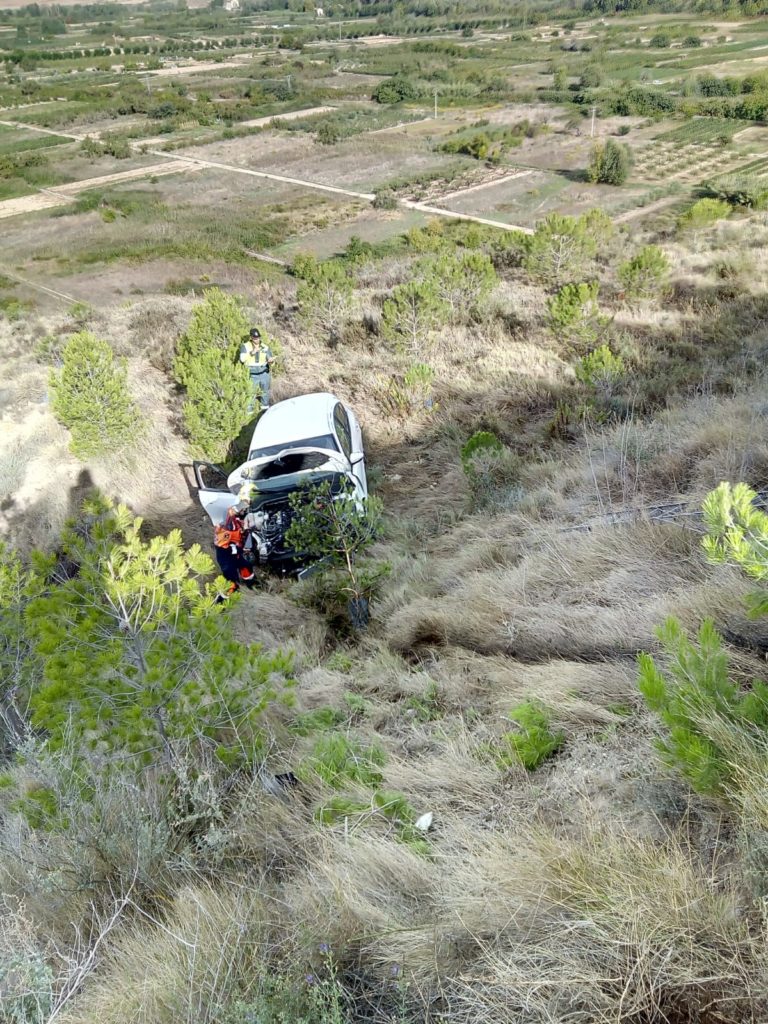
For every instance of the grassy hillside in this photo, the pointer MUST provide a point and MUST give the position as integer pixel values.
(595, 886)
(527, 247)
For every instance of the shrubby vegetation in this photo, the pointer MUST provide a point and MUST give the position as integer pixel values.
(645, 274)
(716, 729)
(218, 393)
(90, 396)
(609, 163)
(350, 857)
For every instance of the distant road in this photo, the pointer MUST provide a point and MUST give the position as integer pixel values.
(61, 195)
(192, 161)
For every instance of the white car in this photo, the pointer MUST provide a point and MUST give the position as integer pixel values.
(301, 442)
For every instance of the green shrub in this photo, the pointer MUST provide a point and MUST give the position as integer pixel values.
(698, 703)
(412, 312)
(338, 760)
(703, 213)
(117, 147)
(534, 740)
(644, 275)
(738, 533)
(333, 529)
(328, 133)
(600, 370)
(740, 190)
(218, 403)
(481, 442)
(133, 654)
(218, 323)
(384, 199)
(591, 77)
(573, 310)
(394, 90)
(90, 396)
(561, 248)
(410, 393)
(317, 720)
(324, 296)
(492, 471)
(462, 281)
(609, 163)
(714, 725)
(218, 391)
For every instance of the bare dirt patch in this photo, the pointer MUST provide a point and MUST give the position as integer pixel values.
(362, 162)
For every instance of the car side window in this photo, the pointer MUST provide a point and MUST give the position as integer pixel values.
(341, 422)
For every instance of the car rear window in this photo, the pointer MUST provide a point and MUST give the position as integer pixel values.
(324, 441)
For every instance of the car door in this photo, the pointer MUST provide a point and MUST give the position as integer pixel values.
(351, 440)
(212, 491)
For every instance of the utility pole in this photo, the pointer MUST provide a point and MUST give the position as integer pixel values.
(435, 104)
(594, 112)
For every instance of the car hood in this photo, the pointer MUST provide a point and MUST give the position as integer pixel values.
(289, 468)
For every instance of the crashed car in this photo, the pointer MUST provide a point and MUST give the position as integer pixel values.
(302, 442)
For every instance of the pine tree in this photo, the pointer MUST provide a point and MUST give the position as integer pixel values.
(136, 656)
(334, 529)
(219, 394)
(217, 323)
(412, 312)
(90, 396)
(218, 402)
(324, 297)
(462, 281)
(645, 274)
(714, 726)
(561, 248)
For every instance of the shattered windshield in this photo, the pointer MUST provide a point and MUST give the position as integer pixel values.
(287, 465)
(324, 441)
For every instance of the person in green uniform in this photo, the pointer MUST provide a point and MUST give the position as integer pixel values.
(257, 356)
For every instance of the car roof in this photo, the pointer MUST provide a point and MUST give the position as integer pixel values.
(295, 419)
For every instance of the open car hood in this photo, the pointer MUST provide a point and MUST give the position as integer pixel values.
(289, 468)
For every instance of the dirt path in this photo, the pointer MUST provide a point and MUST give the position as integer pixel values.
(641, 211)
(197, 66)
(60, 195)
(30, 204)
(37, 287)
(74, 188)
(47, 131)
(291, 115)
(199, 162)
(191, 162)
(437, 211)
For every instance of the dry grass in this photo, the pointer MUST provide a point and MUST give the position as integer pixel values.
(205, 953)
(567, 896)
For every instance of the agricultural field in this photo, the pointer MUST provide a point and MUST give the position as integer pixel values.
(500, 756)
